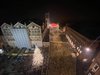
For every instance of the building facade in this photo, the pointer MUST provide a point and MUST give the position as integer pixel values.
(94, 68)
(20, 35)
(35, 34)
(8, 36)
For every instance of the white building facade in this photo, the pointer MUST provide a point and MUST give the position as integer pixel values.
(20, 35)
(35, 34)
(8, 36)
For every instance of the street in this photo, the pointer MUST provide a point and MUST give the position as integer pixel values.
(60, 59)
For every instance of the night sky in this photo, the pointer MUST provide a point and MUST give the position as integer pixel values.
(84, 16)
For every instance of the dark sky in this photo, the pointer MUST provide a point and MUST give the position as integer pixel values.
(83, 15)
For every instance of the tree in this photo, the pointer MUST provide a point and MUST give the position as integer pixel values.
(37, 58)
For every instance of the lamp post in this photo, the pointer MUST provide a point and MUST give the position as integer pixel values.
(86, 61)
(88, 48)
(94, 41)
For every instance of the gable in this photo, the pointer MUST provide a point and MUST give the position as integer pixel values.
(19, 25)
(32, 25)
(5, 26)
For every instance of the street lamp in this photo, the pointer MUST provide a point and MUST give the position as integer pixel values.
(85, 60)
(87, 49)
(1, 51)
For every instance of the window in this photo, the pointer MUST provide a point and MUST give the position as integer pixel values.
(90, 72)
(38, 31)
(31, 39)
(33, 26)
(10, 38)
(95, 67)
(7, 32)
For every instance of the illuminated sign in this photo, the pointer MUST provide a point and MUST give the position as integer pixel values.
(54, 25)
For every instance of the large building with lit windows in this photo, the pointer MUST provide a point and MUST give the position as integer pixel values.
(20, 35)
(35, 34)
(8, 37)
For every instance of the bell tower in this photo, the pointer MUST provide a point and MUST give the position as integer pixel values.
(47, 19)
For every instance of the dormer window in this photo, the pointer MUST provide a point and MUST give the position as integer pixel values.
(33, 26)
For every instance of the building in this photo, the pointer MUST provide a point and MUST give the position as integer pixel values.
(8, 37)
(35, 34)
(20, 35)
(94, 68)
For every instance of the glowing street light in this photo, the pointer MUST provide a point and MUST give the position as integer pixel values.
(85, 60)
(87, 49)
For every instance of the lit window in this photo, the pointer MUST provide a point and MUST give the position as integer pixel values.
(95, 67)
